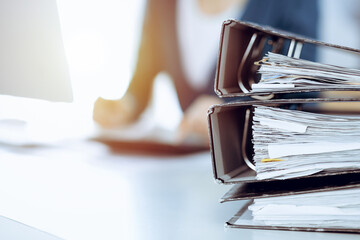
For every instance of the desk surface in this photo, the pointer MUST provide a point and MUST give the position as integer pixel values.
(81, 190)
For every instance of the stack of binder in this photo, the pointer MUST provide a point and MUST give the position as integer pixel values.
(296, 164)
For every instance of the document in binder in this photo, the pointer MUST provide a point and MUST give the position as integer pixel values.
(242, 44)
(296, 162)
(325, 204)
(293, 143)
(280, 71)
(332, 211)
(247, 145)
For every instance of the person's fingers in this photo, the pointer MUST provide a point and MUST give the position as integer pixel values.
(193, 129)
(113, 113)
(194, 123)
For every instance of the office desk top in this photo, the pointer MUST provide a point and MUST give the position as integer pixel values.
(79, 189)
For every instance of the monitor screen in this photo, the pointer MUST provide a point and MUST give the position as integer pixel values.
(32, 55)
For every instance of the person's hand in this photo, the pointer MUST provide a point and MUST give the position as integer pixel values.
(194, 124)
(115, 113)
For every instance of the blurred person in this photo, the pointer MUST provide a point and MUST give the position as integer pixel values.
(181, 38)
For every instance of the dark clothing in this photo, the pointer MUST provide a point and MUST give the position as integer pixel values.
(159, 48)
(296, 16)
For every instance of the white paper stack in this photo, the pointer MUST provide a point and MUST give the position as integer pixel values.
(291, 143)
(329, 209)
(282, 72)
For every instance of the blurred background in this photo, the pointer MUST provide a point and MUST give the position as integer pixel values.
(101, 40)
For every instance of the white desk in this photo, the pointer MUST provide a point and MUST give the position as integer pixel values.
(81, 190)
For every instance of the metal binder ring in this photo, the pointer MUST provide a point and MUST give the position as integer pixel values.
(243, 61)
(263, 97)
(244, 141)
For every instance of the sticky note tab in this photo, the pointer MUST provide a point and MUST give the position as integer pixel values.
(266, 160)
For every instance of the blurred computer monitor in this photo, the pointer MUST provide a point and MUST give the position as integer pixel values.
(32, 56)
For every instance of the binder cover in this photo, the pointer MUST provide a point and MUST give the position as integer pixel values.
(230, 137)
(246, 221)
(230, 124)
(263, 189)
(243, 43)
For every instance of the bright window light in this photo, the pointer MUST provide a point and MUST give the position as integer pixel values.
(101, 39)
